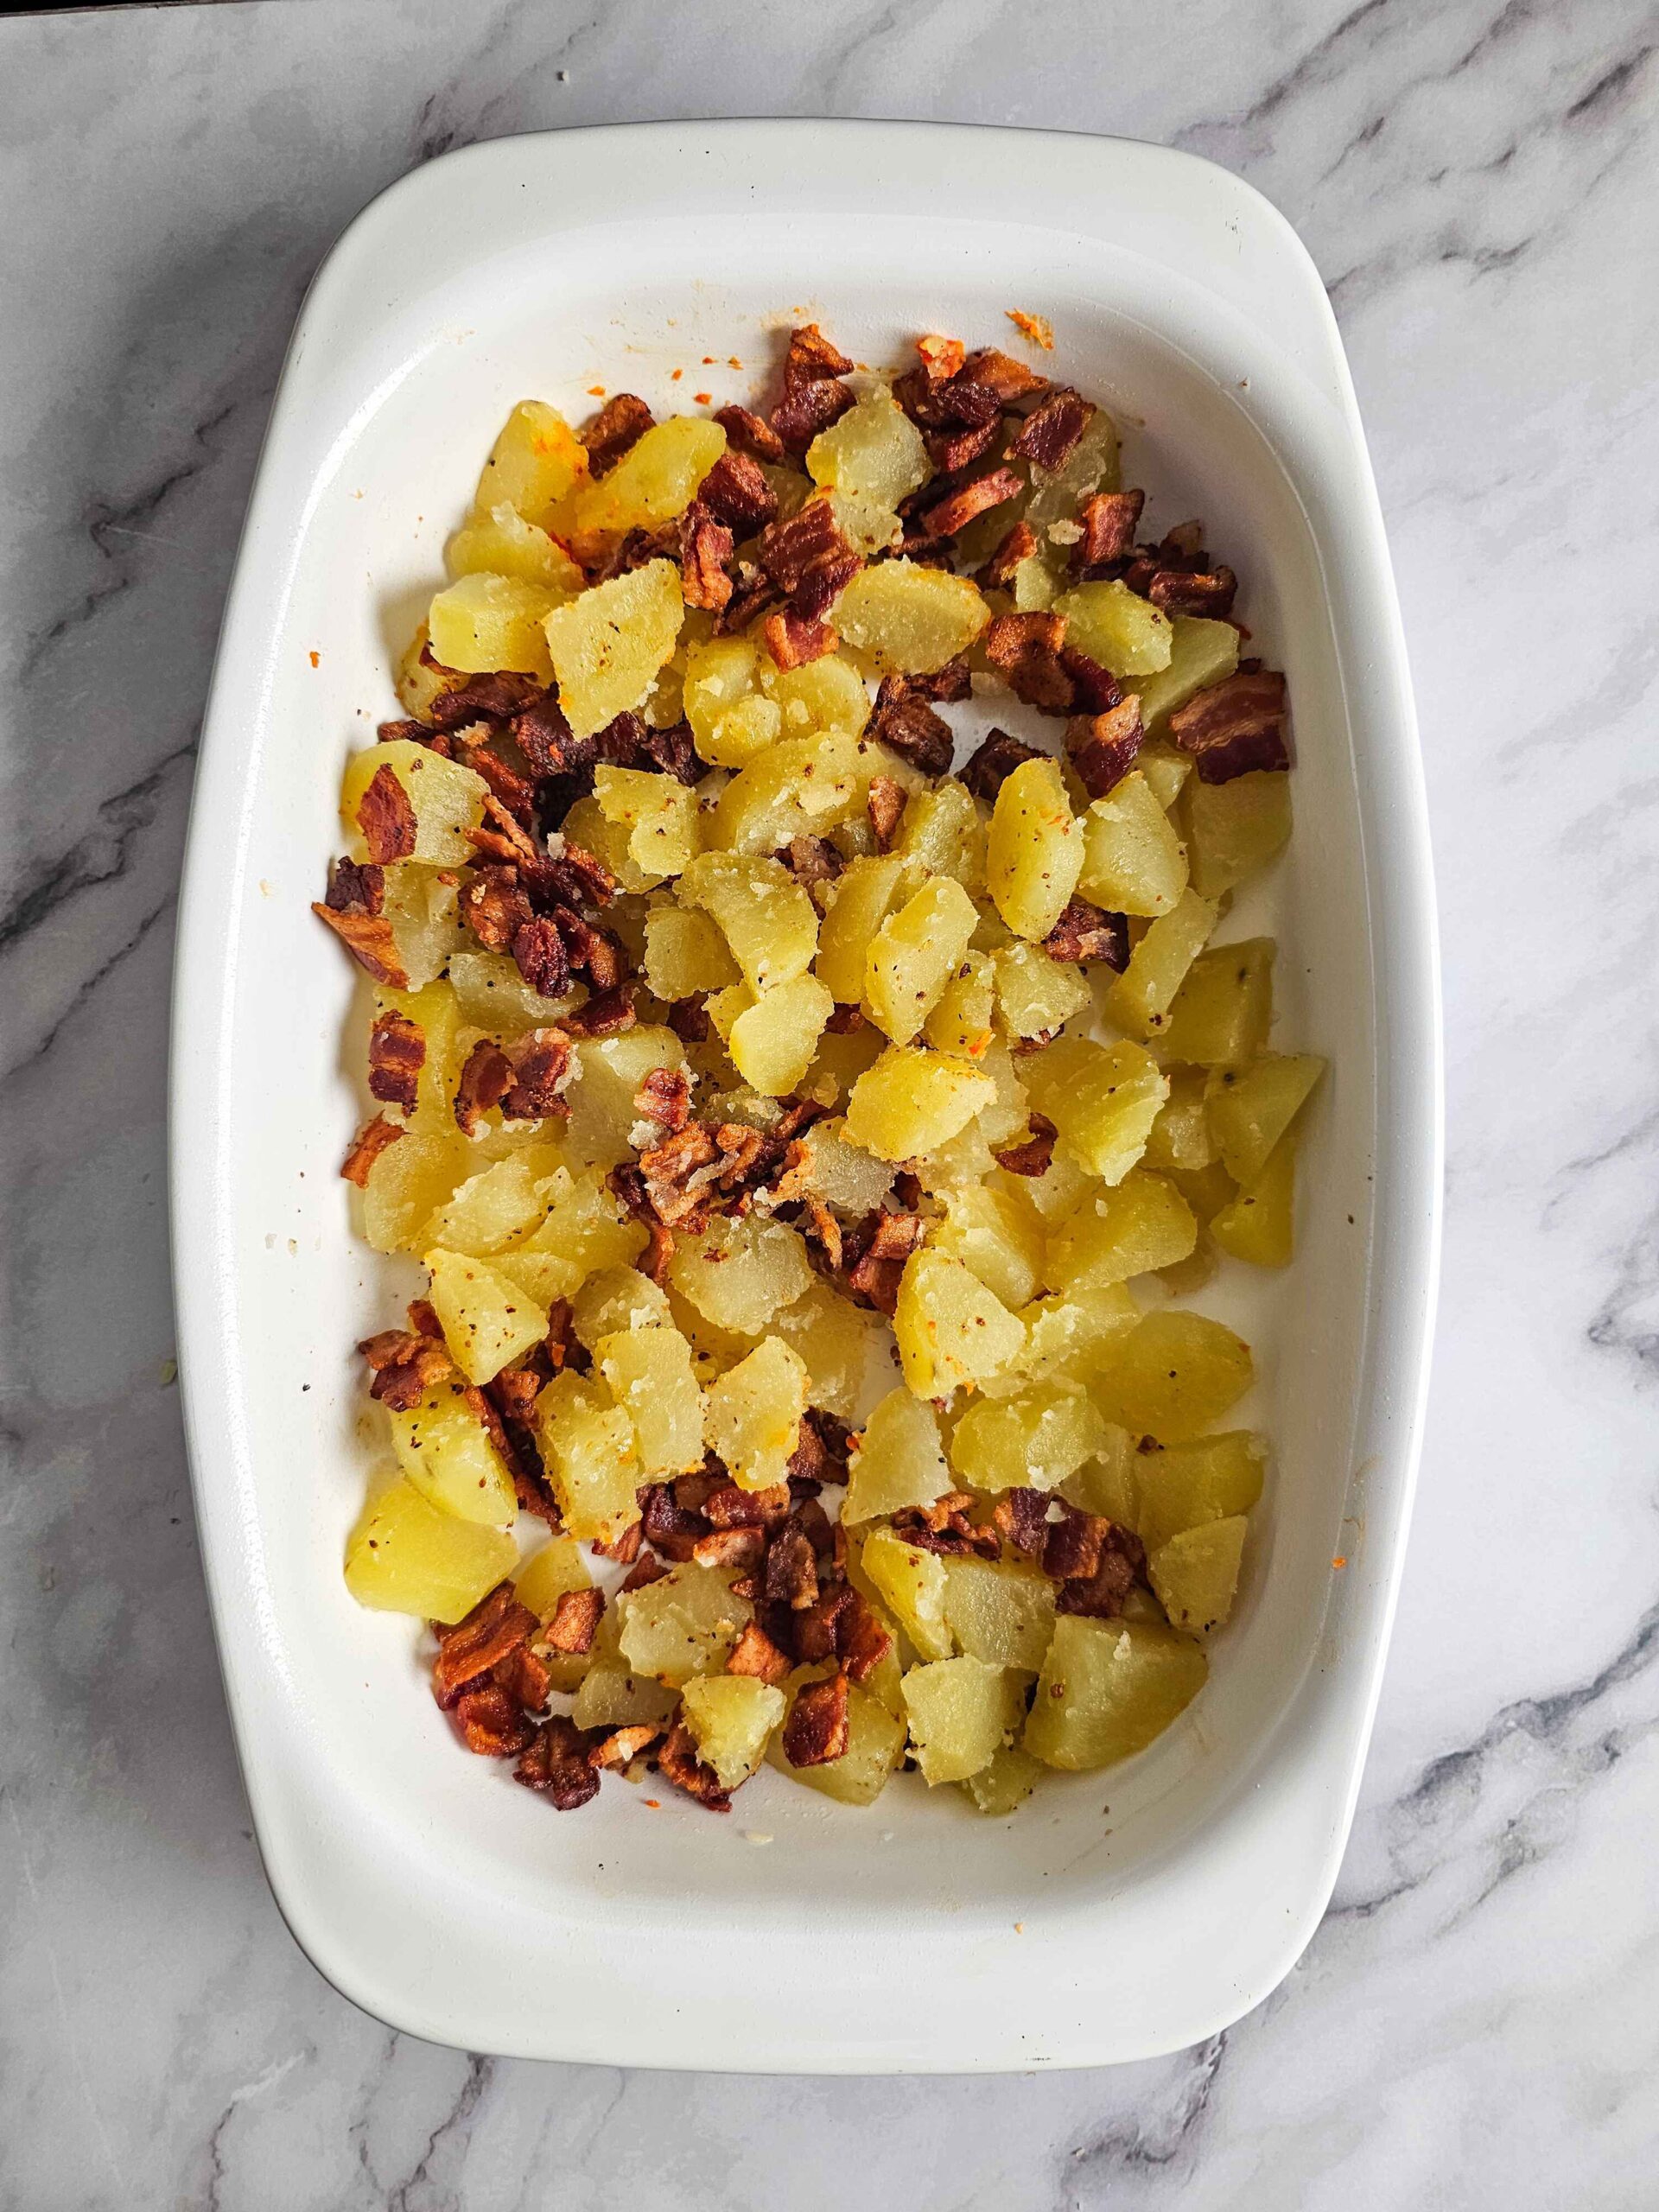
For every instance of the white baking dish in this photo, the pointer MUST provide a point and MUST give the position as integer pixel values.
(1121, 1913)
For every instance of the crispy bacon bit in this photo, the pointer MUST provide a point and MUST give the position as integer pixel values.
(1100, 1595)
(875, 1254)
(792, 1569)
(963, 403)
(509, 790)
(646, 1570)
(861, 1643)
(634, 548)
(353, 909)
(492, 1721)
(736, 491)
(1000, 373)
(526, 1678)
(540, 1070)
(816, 1626)
(486, 1079)
(1109, 520)
(1094, 689)
(616, 429)
(742, 1548)
(723, 1505)
(494, 906)
(688, 1022)
(1020, 1516)
(1089, 932)
(816, 1732)
(1036, 1155)
(558, 1766)
(575, 1622)
(672, 1527)
(1052, 429)
(705, 548)
(904, 719)
(812, 398)
(754, 1653)
(605, 1014)
(994, 760)
(809, 557)
(1017, 545)
(950, 450)
(1195, 591)
(496, 1627)
(1072, 1545)
(397, 1055)
(747, 433)
(752, 593)
(405, 1365)
(664, 1096)
(1036, 329)
(546, 740)
(1025, 650)
(386, 818)
(794, 640)
(846, 1022)
(514, 1391)
(811, 861)
(623, 1745)
(492, 697)
(679, 1762)
(676, 1174)
(1236, 726)
(885, 802)
(821, 1456)
(822, 1227)
(946, 517)
(625, 1548)
(941, 357)
(541, 958)
(368, 1146)
(1103, 746)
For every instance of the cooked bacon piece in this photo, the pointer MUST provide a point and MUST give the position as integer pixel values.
(1036, 1155)
(623, 1745)
(510, 791)
(846, 1022)
(748, 435)
(1100, 1594)
(546, 740)
(625, 1548)
(514, 1391)
(754, 1653)
(725, 1506)
(368, 1146)
(386, 818)
(792, 639)
(526, 1678)
(861, 1643)
(736, 491)
(541, 1070)
(605, 1014)
(812, 399)
(672, 1527)
(1208, 592)
(1001, 374)
(1019, 544)
(811, 861)
(705, 548)
(1103, 746)
(816, 1732)
(941, 357)
(495, 906)
(405, 1365)
(646, 1570)
(809, 557)
(1021, 1517)
(616, 429)
(816, 1626)
(575, 1621)
(486, 1079)
(953, 450)
(952, 682)
(397, 1055)
(1072, 1545)
(739, 1549)
(664, 1096)
(904, 719)
(875, 1252)
(352, 909)
(496, 1627)
(822, 1454)
(688, 1020)
(492, 1721)
(752, 593)
(1025, 650)
(1085, 931)
(946, 517)
(994, 761)
(677, 1172)
(961, 403)
(634, 548)
(1236, 726)
(792, 1569)
(885, 803)
(1052, 429)
(822, 1228)
(540, 955)
(493, 696)
(680, 1765)
(1110, 519)
(1094, 689)
(557, 1766)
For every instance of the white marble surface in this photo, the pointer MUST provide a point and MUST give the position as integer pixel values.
(1477, 2023)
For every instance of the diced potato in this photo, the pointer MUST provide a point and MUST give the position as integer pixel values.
(418, 681)
(1116, 627)
(614, 1300)
(1107, 1688)
(1206, 1189)
(609, 645)
(860, 902)
(653, 482)
(1183, 1486)
(942, 834)
(754, 1414)
(1108, 1484)
(874, 452)
(899, 1460)
(1251, 1107)
(1223, 1011)
(436, 1015)
(960, 1164)
(1196, 1574)
(765, 917)
(1033, 852)
(1138, 1225)
(684, 1625)
(445, 1450)
(425, 920)
(488, 1210)
(490, 995)
(447, 799)
(609, 1071)
(1201, 653)
(406, 1181)
(1032, 1440)
(825, 694)
(962, 1711)
(1056, 1191)
(847, 1178)
(483, 622)
(487, 1320)
(865, 523)
(533, 465)
(660, 814)
(405, 1556)
(799, 787)
(913, 954)
(772, 1040)
(1102, 1099)
(1234, 830)
(1003, 1786)
(999, 1611)
(1182, 1135)
(1067, 1338)
(613, 1696)
(1259, 1225)
(909, 619)
(649, 1372)
(550, 1574)
(876, 1743)
(913, 1100)
(998, 1236)
(836, 1340)
(584, 1230)
(1132, 862)
(1174, 1374)
(1166, 771)
(739, 1273)
(960, 1022)
(587, 1446)
(911, 1583)
(1091, 466)
(950, 1329)
(502, 544)
(685, 953)
(721, 675)
(1036, 994)
(1141, 998)
(731, 1719)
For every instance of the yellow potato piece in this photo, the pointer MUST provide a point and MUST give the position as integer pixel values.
(875, 453)
(858, 903)
(911, 1582)
(447, 799)
(589, 1448)
(685, 953)
(1251, 1107)
(739, 1273)
(1195, 1575)
(765, 917)
(899, 1460)
(962, 1711)
(731, 1719)
(1127, 1230)
(1116, 627)
(1201, 653)
(607, 646)
(445, 1450)
(1174, 1374)
(654, 481)
(1132, 862)
(1221, 1013)
(772, 1040)
(1033, 1440)
(500, 543)
(913, 954)
(1108, 1689)
(1102, 1099)
(660, 814)
(999, 1610)
(684, 1625)
(876, 1743)
(487, 621)
(1033, 852)
(487, 1320)
(1234, 830)
(754, 1414)
(405, 1556)
(1181, 1486)
(648, 1371)
(1259, 1224)
(533, 465)
(1141, 999)
(950, 1329)
(910, 620)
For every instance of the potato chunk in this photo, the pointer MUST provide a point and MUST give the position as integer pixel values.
(1132, 862)
(649, 1372)
(909, 619)
(1234, 830)
(962, 1020)
(845, 1176)
(837, 1340)
(731, 1717)
(550, 1574)
(999, 1236)
(584, 1229)
(913, 1100)
(874, 452)
(609, 1071)
(487, 1320)
(1196, 1574)
(772, 1040)
(1033, 1440)
(859, 904)
(1187, 1485)
(898, 1461)
(1201, 652)
(1223, 1011)
(684, 1625)
(655, 481)
(942, 834)
(765, 917)
(950, 1329)
(826, 694)
(876, 1743)
(754, 1414)
(1033, 852)
(1182, 1136)
(405, 1556)
(615, 1299)
(490, 995)
(658, 813)
(739, 1273)
(609, 645)
(484, 621)
(685, 953)
(500, 543)
(1107, 1688)
(1251, 1107)
(445, 1450)
(533, 465)
(1116, 627)
(1141, 998)
(1003, 1786)
(962, 1711)
(587, 1446)
(1128, 1229)
(798, 787)
(1174, 1375)
(999, 1611)
(913, 954)
(425, 920)
(1259, 1224)
(911, 1583)
(406, 1182)
(721, 676)
(488, 1210)
(1102, 1099)
(447, 799)
(1066, 1338)
(1036, 994)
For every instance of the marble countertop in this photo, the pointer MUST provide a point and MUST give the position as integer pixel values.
(1476, 2024)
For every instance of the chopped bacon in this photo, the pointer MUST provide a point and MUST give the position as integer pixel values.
(397, 1055)
(1103, 746)
(816, 1731)
(1085, 931)
(1094, 689)
(950, 450)
(1100, 1594)
(742, 1548)
(875, 1252)
(672, 1527)
(492, 1721)
(616, 429)
(824, 1229)
(811, 861)
(623, 1745)
(941, 357)
(791, 1568)
(861, 1643)
(494, 906)
(812, 399)
(1052, 429)
(405, 1365)
(821, 1453)
(1001, 374)
(903, 720)
(885, 802)
(664, 1096)
(677, 1172)
(575, 1622)
(735, 490)
(1236, 726)
(747, 433)
(752, 593)
(546, 740)
(496, 1627)
(541, 1063)
(946, 517)
(1025, 650)
(1021, 1517)
(1036, 1155)
(608, 1013)
(792, 639)
(705, 548)
(963, 403)
(353, 909)
(724, 1505)
(540, 955)
(646, 1570)
(754, 1653)
(1072, 1545)
(1110, 519)
(371, 1140)
(680, 1765)
(688, 1020)
(556, 1765)
(1017, 544)
(809, 557)
(493, 696)
(994, 761)
(386, 818)
(1208, 592)
(526, 1677)
(508, 789)
(486, 1079)
(634, 548)
(514, 1391)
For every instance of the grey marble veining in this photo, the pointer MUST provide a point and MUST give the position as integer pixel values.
(1476, 2024)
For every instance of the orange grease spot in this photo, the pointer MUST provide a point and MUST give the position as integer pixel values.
(595, 391)
(1341, 1560)
(315, 660)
